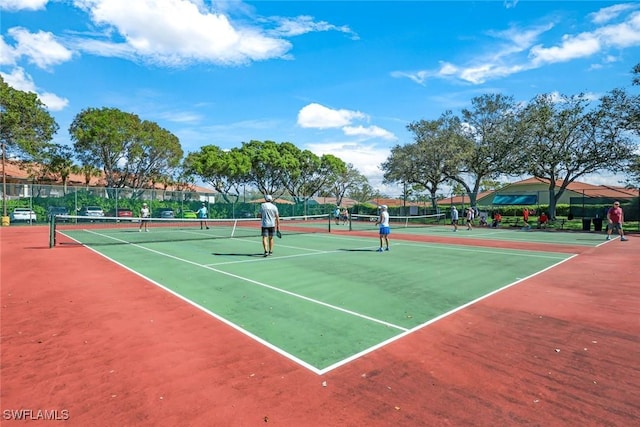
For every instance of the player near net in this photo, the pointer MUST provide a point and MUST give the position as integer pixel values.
(203, 214)
(270, 224)
(145, 214)
(385, 230)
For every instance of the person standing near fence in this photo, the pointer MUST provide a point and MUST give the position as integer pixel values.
(385, 230)
(270, 223)
(615, 219)
(203, 214)
(525, 218)
(336, 215)
(344, 216)
(454, 218)
(145, 214)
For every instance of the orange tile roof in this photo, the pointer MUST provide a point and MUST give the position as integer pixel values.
(19, 171)
(462, 200)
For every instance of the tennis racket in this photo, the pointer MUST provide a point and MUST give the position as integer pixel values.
(279, 234)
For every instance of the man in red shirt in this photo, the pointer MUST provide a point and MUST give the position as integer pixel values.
(543, 220)
(525, 218)
(615, 218)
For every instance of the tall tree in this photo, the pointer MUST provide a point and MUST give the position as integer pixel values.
(636, 75)
(566, 138)
(224, 170)
(634, 126)
(305, 173)
(346, 181)
(58, 163)
(431, 160)
(363, 193)
(299, 172)
(88, 171)
(155, 152)
(489, 124)
(26, 127)
(268, 166)
(128, 151)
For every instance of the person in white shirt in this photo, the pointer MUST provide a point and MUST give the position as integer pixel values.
(270, 223)
(145, 214)
(385, 230)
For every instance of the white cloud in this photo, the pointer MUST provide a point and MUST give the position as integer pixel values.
(14, 5)
(289, 27)
(41, 48)
(53, 101)
(8, 55)
(19, 80)
(610, 13)
(508, 56)
(320, 117)
(366, 158)
(625, 34)
(369, 132)
(176, 32)
(572, 47)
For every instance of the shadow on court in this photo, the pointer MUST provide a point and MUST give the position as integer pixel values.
(261, 254)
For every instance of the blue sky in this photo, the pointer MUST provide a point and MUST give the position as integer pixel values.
(339, 77)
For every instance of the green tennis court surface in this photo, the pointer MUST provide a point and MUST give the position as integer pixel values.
(505, 234)
(321, 299)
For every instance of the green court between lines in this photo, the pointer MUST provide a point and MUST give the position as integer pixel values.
(322, 299)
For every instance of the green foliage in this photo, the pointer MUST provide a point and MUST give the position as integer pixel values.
(26, 127)
(224, 170)
(130, 152)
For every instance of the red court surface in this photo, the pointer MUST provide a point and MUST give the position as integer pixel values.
(92, 344)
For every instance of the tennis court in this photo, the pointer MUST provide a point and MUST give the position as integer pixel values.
(436, 225)
(199, 329)
(323, 299)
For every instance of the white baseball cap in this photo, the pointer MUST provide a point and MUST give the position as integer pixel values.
(268, 198)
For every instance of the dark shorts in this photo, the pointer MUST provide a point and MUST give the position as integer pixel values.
(385, 231)
(454, 221)
(268, 231)
(615, 227)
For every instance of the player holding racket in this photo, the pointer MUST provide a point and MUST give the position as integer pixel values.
(385, 230)
(270, 224)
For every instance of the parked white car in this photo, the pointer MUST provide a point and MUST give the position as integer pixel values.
(23, 214)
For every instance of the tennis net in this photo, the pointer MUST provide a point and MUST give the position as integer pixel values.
(368, 222)
(72, 229)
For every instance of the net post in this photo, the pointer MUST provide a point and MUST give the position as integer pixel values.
(52, 231)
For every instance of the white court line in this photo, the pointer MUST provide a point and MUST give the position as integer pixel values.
(461, 248)
(291, 357)
(430, 321)
(476, 250)
(255, 282)
(278, 257)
